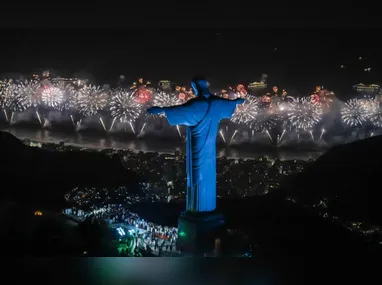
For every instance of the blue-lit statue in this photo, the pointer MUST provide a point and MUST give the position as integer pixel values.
(201, 115)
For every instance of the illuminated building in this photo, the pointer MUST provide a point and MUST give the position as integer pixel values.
(257, 85)
(256, 88)
(367, 88)
(62, 79)
(165, 85)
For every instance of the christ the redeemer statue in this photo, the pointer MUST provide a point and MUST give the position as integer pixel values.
(201, 115)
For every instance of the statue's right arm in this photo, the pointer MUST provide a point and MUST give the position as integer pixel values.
(188, 114)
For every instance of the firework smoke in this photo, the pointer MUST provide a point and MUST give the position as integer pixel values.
(265, 120)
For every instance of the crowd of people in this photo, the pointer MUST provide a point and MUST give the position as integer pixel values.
(149, 236)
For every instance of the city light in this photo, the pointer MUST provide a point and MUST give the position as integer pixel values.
(121, 232)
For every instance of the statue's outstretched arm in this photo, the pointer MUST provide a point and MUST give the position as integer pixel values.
(188, 114)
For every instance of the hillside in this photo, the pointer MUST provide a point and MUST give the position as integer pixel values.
(349, 176)
(34, 175)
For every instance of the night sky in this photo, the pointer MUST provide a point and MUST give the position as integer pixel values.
(293, 58)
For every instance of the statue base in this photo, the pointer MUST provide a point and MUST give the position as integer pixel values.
(198, 232)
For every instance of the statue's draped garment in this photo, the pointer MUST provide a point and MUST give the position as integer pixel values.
(201, 115)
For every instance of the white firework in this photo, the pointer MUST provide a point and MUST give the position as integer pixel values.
(284, 108)
(52, 97)
(246, 112)
(29, 89)
(355, 112)
(22, 98)
(91, 100)
(304, 114)
(69, 94)
(124, 107)
(163, 99)
(374, 112)
(7, 93)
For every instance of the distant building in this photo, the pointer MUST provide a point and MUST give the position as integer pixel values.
(257, 85)
(367, 88)
(255, 88)
(62, 79)
(165, 85)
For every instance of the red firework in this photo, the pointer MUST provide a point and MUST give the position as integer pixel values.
(314, 98)
(143, 95)
(266, 99)
(241, 89)
(182, 96)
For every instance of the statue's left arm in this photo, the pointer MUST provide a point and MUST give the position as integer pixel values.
(188, 114)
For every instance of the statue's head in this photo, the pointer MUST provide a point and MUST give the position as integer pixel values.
(200, 87)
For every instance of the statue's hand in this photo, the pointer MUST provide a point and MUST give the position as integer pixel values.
(154, 110)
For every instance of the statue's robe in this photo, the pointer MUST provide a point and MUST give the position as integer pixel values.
(201, 115)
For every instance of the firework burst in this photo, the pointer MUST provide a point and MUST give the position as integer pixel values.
(247, 112)
(69, 95)
(304, 114)
(52, 97)
(124, 107)
(143, 95)
(91, 100)
(355, 112)
(30, 89)
(22, 97)
(374, 112)
(163, 99)
(7, 93)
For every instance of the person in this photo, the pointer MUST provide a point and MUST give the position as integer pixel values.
(201, 115)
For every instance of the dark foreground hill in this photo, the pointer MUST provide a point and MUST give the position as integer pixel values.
(280, 230)
(277, 226)
(349, 176)
(36, 176)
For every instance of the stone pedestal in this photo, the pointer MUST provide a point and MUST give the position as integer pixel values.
(197, 232)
